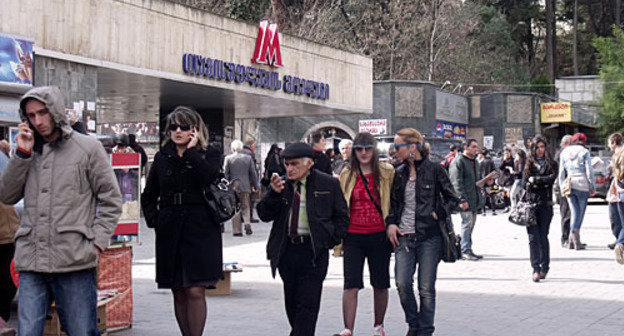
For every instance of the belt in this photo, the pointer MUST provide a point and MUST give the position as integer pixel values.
(300, 240)
(181, 199)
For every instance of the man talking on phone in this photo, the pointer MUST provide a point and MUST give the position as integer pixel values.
(309, 215)
(71, 207)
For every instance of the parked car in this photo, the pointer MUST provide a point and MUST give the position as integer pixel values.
(602, 175)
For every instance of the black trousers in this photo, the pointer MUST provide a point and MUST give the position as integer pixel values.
(7, 288)
(538, 239)
(303, 284)
(564, 210)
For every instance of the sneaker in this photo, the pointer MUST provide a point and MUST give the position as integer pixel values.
(619, 253)
(345, 332)
(470, 256)
(378, 330)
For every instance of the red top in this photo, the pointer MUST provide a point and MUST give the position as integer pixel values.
(365, 218)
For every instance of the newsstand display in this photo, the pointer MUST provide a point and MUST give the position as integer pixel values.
(115, 264)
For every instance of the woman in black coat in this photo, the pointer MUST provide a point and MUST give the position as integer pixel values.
(188, 240)
(539, 175)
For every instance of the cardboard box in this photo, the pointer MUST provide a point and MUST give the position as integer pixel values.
(53, 324)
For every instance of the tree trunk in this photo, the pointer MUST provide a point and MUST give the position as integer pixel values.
(432, 35)
(551, 37)
(575, 40)
(618, 12)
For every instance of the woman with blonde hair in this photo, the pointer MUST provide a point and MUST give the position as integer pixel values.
(366, 184)
(422, 196)
(188, 239)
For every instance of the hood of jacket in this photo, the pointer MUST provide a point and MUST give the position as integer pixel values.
(573, 152)
(53, 100)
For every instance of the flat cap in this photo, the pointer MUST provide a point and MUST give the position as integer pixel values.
(297, 150)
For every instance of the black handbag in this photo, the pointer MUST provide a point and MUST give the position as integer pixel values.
(451, 243)
(221, 199)
(523, 212)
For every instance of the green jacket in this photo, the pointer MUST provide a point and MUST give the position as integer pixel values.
(464, 176)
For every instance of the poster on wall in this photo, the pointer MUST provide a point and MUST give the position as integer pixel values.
(16, 60)
(374, 126)
(450, 130)
(451, 107)
(488, 141)
(144, 131)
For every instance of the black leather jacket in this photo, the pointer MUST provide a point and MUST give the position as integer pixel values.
(327, 211)
(434, 192)
(540, 191)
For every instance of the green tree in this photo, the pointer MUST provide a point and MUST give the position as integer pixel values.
(611, 60)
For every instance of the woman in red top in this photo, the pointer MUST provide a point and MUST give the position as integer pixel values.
(366, 185)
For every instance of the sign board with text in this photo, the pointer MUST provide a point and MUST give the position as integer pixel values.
(556, 112)
(374, 126)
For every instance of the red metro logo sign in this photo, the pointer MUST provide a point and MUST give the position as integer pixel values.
(267, 49)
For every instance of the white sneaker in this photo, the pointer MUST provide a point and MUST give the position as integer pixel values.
(378, 330)
(619, 253)
(345, 332)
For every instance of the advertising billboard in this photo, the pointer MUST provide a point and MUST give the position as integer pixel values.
(374, 126)
(450, 130)
(556, 112)
(16, 60)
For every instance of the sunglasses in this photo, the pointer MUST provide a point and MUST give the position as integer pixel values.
(174, 127)
(361, 148)
(399, 146)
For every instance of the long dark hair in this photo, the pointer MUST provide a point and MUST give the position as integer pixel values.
(529, 168)
(522, 160)
(365, 139)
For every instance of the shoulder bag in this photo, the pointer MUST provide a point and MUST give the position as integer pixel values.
(523, 213)
(451, 243)
(221, 198)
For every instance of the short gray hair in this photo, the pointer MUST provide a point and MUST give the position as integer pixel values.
(236, 146)
(566, 140)
(344, 143)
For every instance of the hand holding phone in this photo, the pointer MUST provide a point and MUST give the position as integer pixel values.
(277, 184)
(194, 139)
(25, 138)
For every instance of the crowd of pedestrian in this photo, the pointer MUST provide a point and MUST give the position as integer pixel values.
(314, 199)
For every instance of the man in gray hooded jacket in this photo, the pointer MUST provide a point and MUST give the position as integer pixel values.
(71, 207)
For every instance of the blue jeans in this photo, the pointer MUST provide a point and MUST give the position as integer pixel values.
(424, 255)
(578, 202)
(616, 215)
(469, 219)
(75, 296)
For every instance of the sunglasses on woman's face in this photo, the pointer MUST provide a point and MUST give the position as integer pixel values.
(361, 148)
(399, 146)
(174, 127)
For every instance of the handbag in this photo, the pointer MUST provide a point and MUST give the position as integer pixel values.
(221, 199)
(451, 243)
(566, 186)
(523, 212)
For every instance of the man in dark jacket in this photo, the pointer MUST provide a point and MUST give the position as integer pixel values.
(138, 149)
(309, 215)
(249, 148)
(464, 173)
(322, 162)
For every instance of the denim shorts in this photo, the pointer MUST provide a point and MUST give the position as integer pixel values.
(372, 246)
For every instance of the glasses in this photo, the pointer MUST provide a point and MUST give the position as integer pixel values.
(174, 127)
(399, 146)
(361, 148)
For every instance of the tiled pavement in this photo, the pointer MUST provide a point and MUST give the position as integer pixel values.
(583, 295)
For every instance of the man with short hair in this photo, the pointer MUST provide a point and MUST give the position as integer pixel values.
(345, 153)
(310, 216)
(564, 207)
(322, 162)
(71, 204)
(240, 170)
(464, 174)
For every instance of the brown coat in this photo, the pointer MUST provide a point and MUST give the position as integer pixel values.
(385, 185)
(9, 221)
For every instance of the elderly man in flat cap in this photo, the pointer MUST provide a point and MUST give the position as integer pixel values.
(309, 215)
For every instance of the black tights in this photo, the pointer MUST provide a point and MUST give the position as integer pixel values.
(190, 309)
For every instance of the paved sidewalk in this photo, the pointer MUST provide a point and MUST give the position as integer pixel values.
(583, 295)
